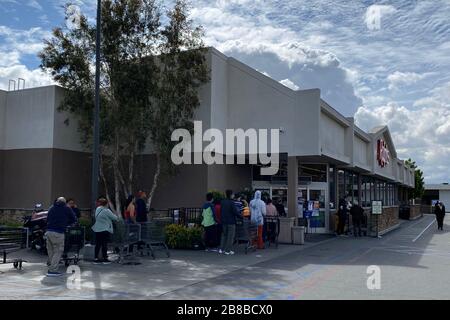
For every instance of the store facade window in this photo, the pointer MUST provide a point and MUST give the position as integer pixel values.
(315, 172)
(341, 184)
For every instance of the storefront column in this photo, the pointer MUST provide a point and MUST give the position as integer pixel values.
(292, 173)
(287, 223)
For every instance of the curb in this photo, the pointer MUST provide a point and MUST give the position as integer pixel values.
(395, 227)
(416, 218)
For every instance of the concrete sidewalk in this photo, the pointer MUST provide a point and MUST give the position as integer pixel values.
(151, 279)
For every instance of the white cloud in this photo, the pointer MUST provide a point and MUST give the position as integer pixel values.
(14, 46)
(288, 83)
(280, 52)
(422, 134)
(34, 4)
(400, 79)
(33, 78)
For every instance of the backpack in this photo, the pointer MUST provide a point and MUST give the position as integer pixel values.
(208, 219)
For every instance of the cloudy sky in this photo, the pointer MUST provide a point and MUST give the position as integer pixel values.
(383, 62)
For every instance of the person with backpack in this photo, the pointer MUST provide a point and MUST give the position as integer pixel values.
(209, 223)
(103, 228)
(257, 212)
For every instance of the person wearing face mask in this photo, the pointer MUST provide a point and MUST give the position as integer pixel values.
(439, 211)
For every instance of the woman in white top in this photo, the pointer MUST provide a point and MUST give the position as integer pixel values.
(103, 227)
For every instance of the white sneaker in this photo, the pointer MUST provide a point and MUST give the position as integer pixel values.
(220, 251)
(231, 252)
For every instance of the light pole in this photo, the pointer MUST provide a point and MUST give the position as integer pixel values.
(96, 144)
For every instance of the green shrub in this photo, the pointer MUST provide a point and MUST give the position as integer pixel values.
(9, 222)
(87, 224)
(181, 237)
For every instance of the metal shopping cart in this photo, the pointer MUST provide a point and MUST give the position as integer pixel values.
(125, 238)
(246, 233)
(12, 240)
(74, 240)
(153, 237)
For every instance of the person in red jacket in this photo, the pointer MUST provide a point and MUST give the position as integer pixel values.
(217, 212)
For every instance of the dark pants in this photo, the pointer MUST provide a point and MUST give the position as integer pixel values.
(228, 233)
(270, 231)
(218, 234)
(341, 224)
(211, 236)
(356, 226)
(440, 221)
(101, 242)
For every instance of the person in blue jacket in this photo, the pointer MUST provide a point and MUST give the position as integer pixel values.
(59, 217)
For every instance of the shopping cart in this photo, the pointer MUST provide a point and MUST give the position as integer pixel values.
(153, 237)
(247, 234)
(125, 238)
(12, 240)
(74, 240)
(272, 230)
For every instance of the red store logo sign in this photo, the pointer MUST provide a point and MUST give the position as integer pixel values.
(383, 156)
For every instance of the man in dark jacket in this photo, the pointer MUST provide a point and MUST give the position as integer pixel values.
(357, 213)
(439, 211)
(342, 216)
(59, 217)
(141, 207)
(280, 208)
(229, 212)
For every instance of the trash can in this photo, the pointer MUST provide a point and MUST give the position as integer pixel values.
(88, 252)
(404, 212)
(298, 235)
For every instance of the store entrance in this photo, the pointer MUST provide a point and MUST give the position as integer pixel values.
(313, 205)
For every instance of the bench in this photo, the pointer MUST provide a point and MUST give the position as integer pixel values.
(12, 240)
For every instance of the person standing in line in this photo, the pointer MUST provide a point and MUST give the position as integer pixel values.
(238, 203)
(229, 213)
(130, 210)
(280, 208)
(357, 213)
(103, 228)
(72, 205)
(270, 227)
(258, 211)
(59, 217)
(209, 223)
(342, 216)
(141, 207)
(246, 209)
(218, 217)
(439, 211)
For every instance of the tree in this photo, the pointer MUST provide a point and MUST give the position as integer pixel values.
(150, 75)
(419, 188)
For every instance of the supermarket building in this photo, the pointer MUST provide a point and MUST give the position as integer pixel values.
(324, 156)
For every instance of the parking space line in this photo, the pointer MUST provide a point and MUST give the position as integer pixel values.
(423, 231)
